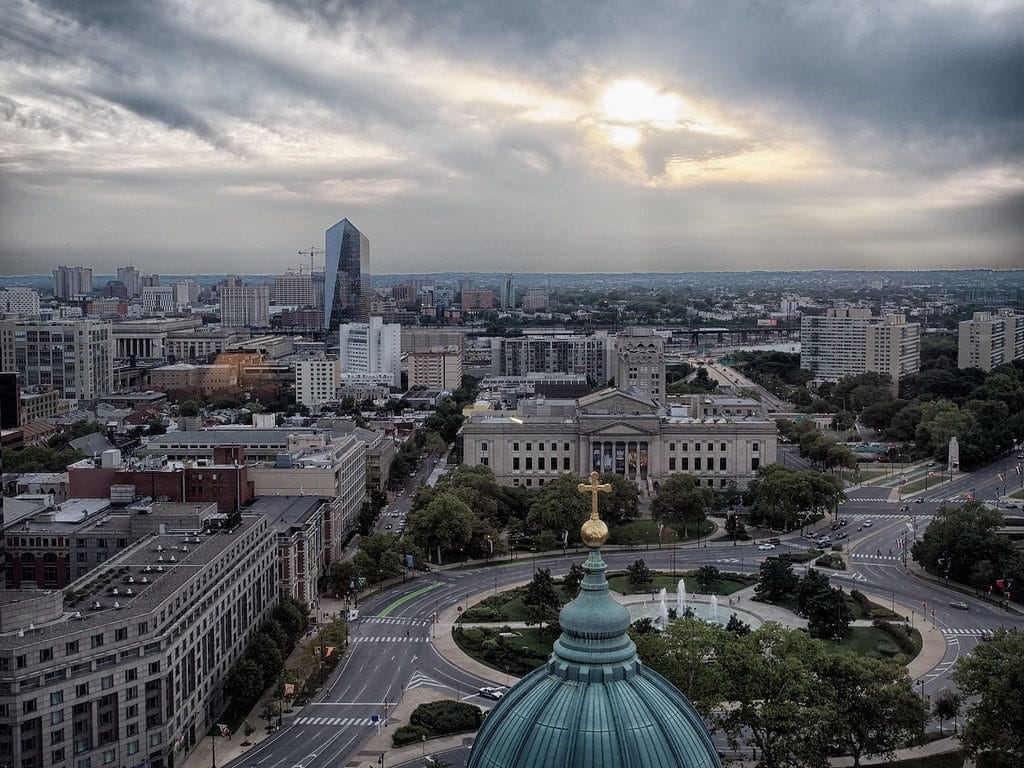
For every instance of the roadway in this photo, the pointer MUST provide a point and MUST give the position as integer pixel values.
(390, 649)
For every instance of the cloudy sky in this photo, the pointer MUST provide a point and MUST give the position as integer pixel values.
(535, 135)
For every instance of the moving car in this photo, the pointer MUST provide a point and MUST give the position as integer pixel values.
(959, 604)
(492, 692)
(919, 500)
(867, 524)
(766, 547)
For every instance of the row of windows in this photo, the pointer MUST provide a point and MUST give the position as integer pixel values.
(698, 465)
(529, 446)
(541, 463)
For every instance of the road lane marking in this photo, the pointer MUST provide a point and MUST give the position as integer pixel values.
(402, 600)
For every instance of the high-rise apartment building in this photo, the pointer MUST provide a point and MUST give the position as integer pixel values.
(71, 281)
(508, 293)
(640, 362)
(988, 339)
(76, 358)
(132, 280)
(19, 301)
(435, 369)
(474, 299)
(373, 347)
(590, 356)
(317, 381)
(245, 305)
(849, 341)
(298, 290)
(158, 298)
(346, 264)
(186, 293)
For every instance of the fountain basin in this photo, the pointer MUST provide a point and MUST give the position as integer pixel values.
(702, 611)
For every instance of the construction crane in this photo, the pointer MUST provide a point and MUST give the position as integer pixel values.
(312, 253)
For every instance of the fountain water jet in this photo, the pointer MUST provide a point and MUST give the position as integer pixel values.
(681, 599)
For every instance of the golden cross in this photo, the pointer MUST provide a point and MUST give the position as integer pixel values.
(592, 488)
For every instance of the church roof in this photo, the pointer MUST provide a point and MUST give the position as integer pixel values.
(594, 704)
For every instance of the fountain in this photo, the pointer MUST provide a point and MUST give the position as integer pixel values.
(663, 608)
(714, 608)
(681, 598)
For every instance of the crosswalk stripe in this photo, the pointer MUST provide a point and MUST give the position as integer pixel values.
(959, 631)
(337, 721)
(362, 639)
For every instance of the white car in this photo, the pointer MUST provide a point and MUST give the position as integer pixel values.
(492, 692)
(766, 547)
(867, 523)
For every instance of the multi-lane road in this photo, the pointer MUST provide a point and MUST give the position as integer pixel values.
(391, 650)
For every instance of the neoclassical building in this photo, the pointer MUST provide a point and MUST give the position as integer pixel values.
(621, 431)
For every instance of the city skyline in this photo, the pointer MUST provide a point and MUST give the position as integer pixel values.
(605, 137)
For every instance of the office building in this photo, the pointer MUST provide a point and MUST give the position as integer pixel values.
(245, 306)
(640, 362)
(158, 299)
(317, 381)
(622, 431)
(69, 282)
(126, 666)
(508, 293)
(346, 261)
(206, 379)
(989, 339)
(374, 348)
(592, 356)
(435, 369)
(23, 302)
(146, 338)
(849, 341)
(474, 299)
(76, 358)
(535, 300)
(299, 523)
(186, 293)
(132, 280)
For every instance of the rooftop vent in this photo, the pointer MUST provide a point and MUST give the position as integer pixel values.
(77, 615)
(95, 605)
(129, 592)
(117, 606)
(174, 559)
(144, 580)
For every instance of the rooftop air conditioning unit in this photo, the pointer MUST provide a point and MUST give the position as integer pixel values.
(129, 592)
(117, 606)
(144, 580)
(77, 615)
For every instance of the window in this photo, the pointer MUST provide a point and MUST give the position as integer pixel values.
(483, 447)
(57, 697)
(143, 627)
(754, 447)
(121, 633)
(565, 463)
(671, 446)
(540, 462)
(554, 446)
(671, 463)
(529, 446)
(133, 747)
(696, 446)
(28, 706)
(20, 662)
(529, 462)
(696, 464)
(108, 757)
(155, 739)
(82, 689)
(132, 710)
(57, 717)
(515, 446)
(57, 756)
(97, 640)
(755, 463)
(684, 463)
(57, 736)
(484, 461)
(107, 682)
(45, 654)
(722, 463)
(722, 446)
(154, 667)
(684, 447)
(515, 462)
(131, 674)
(566, 448)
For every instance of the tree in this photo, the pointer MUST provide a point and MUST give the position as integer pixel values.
(190, 408)
(709, 577)
(875, 709)
(776, 580)
(622, 504)
(828, 614)
(267, 657)
(947, 707)
(961, 537)
(993, 734)
(681, 654)
(639, 575)
(244, 683)
(446, 523)
(682, 498)
(559, 506)
(813, 584)
(541, 600)
(573, 580)
(778, 703)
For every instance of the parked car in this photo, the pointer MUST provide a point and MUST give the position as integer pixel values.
(492, 692)
(766, 547)
(961, 604)
(842, 535)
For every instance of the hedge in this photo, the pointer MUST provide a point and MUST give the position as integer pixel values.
(901, 634)
(438, 718)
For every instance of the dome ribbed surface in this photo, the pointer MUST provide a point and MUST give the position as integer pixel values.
(594, 704)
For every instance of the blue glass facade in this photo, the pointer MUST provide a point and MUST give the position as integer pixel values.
(346, 259)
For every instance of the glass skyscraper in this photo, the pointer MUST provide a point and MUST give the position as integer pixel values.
(346, 258)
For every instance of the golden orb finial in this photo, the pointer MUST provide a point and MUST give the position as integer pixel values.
(594, 531)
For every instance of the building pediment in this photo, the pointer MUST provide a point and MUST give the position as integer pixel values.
(617, 401)
(619, 428)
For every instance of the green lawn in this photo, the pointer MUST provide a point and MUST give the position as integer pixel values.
(620, 583)
(503, 607)
(1018, 494)
(945, 760)
(865, 641)
(524, 652)
(646, 532)
(919, 485)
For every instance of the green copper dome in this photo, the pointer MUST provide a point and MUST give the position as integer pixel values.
(594, 704)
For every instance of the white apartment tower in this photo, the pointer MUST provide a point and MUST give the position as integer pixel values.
(317, 381)
(245, 306)
(76, 358)
(373, 347)
(849, 341)
(132, 280)
(988, 340)
(71, 281)
(19, 301)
